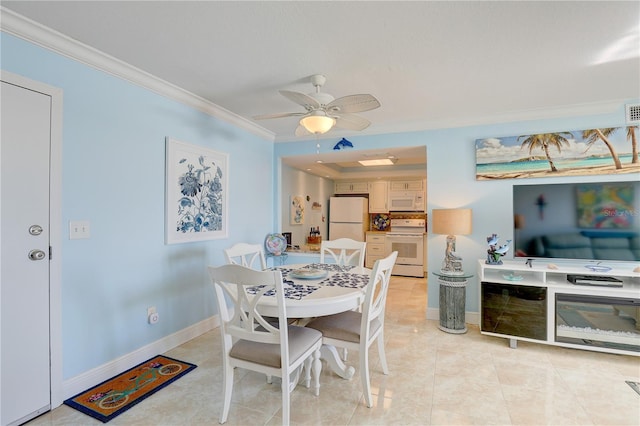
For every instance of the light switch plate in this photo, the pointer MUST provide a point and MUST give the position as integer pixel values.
(79, 229)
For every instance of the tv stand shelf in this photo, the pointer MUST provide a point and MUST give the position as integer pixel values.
(538, 304)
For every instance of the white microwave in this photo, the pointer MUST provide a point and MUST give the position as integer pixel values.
(406, 201)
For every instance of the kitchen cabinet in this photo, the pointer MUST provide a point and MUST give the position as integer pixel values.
(375, 248)
(407, 185)
(378, 197)
(352, 188)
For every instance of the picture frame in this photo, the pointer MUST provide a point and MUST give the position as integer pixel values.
(296, 210)
(196, 193)
(600, 151)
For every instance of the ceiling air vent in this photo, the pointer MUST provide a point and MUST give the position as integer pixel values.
(633, 113)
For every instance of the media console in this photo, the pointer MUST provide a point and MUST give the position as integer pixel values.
(537, 303)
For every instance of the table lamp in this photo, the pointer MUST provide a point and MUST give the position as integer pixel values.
(451, 222)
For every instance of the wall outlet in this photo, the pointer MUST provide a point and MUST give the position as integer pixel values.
(152, 315)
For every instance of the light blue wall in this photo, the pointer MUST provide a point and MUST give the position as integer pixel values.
(114, 176)
(451, 182)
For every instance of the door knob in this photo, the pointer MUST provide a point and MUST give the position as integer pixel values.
(35, 229)
(37, 254)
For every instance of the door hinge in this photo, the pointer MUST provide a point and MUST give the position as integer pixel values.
(50, 252)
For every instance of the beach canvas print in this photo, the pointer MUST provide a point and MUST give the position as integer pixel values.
(600, 151)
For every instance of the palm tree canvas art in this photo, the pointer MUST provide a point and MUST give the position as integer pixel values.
(610, 150)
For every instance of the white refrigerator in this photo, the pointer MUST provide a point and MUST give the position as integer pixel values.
(348, 218)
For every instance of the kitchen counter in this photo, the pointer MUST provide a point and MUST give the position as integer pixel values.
(306, 248)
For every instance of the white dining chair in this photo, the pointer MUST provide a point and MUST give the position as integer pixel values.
(249, 255)
(249, 341)
(343, 251)
(358, 330)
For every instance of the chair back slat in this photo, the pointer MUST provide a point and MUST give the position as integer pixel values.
(239, 290)
(343, 251)
(376, 295)
(249, 255)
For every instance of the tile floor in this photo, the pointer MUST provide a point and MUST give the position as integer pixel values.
(435, 378)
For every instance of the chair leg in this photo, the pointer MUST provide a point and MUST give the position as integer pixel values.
(383, 357)
(345, 353)
(228, 389)
(286, 394)
(364, 375)
(317, 369)
(307, 372)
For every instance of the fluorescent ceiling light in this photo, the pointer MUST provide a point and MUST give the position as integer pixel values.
(378, 162)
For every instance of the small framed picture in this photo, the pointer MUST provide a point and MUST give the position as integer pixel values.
(296, 210)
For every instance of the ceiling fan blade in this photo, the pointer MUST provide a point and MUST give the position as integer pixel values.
(278, 115)
(301, 131)
(352, 122)
(354, 103)
(306, 101)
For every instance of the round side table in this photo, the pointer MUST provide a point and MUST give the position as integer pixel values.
(452, 302)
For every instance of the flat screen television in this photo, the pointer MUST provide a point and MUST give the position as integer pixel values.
(585, 221)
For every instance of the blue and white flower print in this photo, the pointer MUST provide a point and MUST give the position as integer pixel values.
(200, 208)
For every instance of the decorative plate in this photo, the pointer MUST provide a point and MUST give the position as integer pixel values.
(308, 274)
(598, 268)
(381, 222)
(512, 277)
(275, 243)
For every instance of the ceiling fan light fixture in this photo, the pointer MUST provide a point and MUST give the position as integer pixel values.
(317, 124)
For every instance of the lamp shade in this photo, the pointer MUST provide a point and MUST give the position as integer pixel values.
(317, 124)
(451, 221)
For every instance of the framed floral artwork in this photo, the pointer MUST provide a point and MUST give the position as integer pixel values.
(296, 210)
(196, 193)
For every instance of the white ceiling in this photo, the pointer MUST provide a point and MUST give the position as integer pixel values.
(431, 64)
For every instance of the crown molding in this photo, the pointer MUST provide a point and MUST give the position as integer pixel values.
(27, 29)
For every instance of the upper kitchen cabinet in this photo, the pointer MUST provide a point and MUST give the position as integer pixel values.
(378, 196)
(407, 185)
(352, 188)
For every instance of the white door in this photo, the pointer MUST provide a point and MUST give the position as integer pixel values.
(24, 263)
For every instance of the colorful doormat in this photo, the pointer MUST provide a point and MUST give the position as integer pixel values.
(116, 395)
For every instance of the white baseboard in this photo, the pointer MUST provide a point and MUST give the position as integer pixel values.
(99, 374)
(469, 317)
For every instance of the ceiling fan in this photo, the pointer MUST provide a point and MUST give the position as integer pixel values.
(323, 112)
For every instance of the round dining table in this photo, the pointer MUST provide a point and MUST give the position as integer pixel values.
(320, 289)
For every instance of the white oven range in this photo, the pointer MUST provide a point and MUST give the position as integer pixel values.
(407, 238)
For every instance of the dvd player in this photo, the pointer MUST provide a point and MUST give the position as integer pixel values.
(596, 280)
